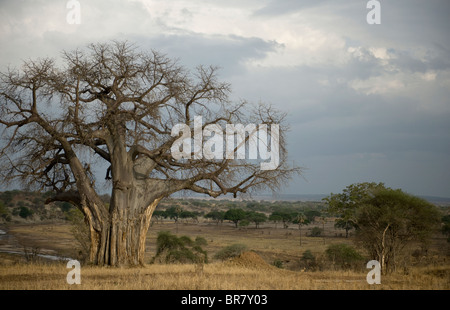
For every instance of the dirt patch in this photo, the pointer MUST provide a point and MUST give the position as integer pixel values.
(250, 259)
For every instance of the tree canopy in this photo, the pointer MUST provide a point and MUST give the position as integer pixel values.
(345, 204)
(385, 219)
(390, 220)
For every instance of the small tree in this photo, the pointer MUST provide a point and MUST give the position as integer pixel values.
(275, 218)
(216, 215)
(244, 223)
(256, 217)
(312, 214)
(286, 216)
(300, 219)
(188, 215)
(345, 223)
(174, 213)
(391, 219)
(159, 215)
(235, 215)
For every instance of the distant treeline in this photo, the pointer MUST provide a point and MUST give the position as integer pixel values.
(241, 213)
(30, 205)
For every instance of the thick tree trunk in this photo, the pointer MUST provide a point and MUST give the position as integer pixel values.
(121, 239)
(121, 242)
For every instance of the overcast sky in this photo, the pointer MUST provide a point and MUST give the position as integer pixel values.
(364, 102)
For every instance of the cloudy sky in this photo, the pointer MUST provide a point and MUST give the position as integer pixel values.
(364, 102)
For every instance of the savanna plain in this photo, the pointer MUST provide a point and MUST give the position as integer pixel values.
(272, 257)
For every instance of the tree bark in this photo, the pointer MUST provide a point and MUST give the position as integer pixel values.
(383, 253)
(121, 242)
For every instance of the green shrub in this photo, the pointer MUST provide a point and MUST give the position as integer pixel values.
(81, 232)
(201, 241)
(244, 223)
(316, 232)
(344, 256)
(24, 212)
(173, 249)
(308, 256)
(64, 206)
(230, 251)
(278, 263)
(308, 260)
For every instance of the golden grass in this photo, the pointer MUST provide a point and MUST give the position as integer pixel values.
(215, 276)
(270, 244)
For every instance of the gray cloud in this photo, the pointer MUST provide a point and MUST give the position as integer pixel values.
(281, 7)
(227, 52)
(364, 102)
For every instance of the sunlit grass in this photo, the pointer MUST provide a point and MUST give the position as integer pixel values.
(270, 244)
(215, 276)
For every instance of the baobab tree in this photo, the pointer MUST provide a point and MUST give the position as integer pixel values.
(114, 106)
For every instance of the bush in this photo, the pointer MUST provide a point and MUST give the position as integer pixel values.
(308, 260)
(24, 212)
(80, 231)
(235, 215)
(344, 256)
(316, 232)
(230, 251)
(173, 249)
(278, 263)
(64, 206)
(244, 223)
(201, 241)
(308, 256)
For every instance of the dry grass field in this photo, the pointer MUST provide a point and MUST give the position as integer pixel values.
(214, 276)
(253, 270)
